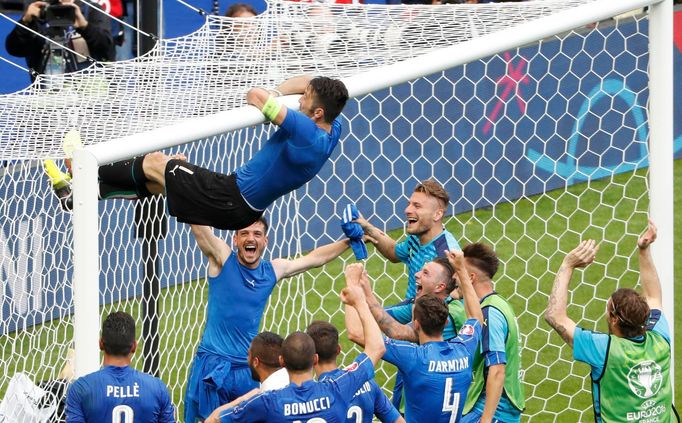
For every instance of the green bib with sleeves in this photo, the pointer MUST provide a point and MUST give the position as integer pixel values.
(513, 386)
(635, 383)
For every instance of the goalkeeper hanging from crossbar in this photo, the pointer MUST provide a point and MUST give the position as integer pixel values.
(292, 156)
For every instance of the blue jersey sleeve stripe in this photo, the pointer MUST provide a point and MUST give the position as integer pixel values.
(493, 358)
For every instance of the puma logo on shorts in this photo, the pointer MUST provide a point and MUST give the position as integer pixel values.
(183, 168)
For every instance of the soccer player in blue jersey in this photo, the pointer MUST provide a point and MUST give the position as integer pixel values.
(396, 322)
(497, 391)
(369, 400)
(264, 354)
(427, 237)
(239, 284)
(437, 373)
(436, 278)
(306, 400)
(631, 364)
(118, 393)
(292, 156)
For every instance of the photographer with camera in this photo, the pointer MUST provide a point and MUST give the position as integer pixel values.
(64, 22)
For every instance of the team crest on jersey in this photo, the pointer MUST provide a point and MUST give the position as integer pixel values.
(645, 379)
(353, 367)
(467, 330)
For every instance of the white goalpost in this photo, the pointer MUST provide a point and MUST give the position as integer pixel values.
(547, 122)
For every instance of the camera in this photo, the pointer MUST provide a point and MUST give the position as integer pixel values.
(57, 15)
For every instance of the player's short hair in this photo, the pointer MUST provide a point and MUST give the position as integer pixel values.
(298, 351)
(432, 313)
(483, 257)
(448, 273)
(330, 94)
(267, 347)
(326, 339)
(264, 222)
(631, 312)
(433, 189)
(118, 333)
(238, 8)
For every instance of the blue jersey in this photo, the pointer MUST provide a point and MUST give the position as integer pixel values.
(414, 255)
(236, 301)
(118, 395)
(328, 400)
(592, 348)
(402, 313)
(291, 157)
(368, 401)
(436, 375)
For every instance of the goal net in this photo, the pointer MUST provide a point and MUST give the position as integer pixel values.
(539, 146)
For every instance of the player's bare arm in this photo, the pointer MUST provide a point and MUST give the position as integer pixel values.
(494, 385)
(214, 248)
(262, 98)
(388, 325)
(318, 257)
(352, 295)
(472, 306)
(651, 284)
(556, 314)
(352, 320)
(384, 243)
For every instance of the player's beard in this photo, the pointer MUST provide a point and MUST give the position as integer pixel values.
(254, 374)
(417, 228)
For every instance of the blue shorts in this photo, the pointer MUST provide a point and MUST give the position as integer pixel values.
(214, 381)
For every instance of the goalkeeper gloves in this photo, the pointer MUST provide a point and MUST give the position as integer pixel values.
(354, 231)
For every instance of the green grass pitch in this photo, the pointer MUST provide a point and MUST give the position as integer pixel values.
(519, 231)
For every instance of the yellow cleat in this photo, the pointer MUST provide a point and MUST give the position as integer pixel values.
(58, 178)
(61, 183)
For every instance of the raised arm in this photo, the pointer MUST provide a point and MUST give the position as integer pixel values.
(384, 243)
(264, 100)
(318, 257)
(390, 326)
(556, 314)
(472, 306)
(651, 285)
(214, 248)
(352, 295)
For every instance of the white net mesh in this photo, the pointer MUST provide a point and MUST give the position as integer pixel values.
(538, 148)
(210, 70)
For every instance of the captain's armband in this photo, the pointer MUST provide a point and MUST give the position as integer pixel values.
(271, 108)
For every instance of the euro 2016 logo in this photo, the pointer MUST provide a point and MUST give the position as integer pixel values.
(645, 379)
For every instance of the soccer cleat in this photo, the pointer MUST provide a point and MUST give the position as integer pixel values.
(61, 184)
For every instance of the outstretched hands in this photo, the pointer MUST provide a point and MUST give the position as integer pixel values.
(582, 255)
(649, 236)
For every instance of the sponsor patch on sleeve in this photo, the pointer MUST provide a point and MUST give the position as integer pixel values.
(467, 330)
(353, 367)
